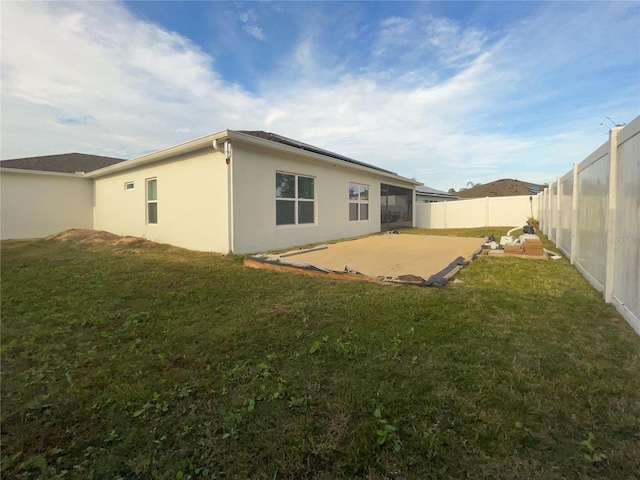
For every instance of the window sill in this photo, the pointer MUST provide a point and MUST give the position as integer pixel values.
(301, 225)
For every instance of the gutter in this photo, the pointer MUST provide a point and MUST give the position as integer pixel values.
(227, 151)
(43, 172)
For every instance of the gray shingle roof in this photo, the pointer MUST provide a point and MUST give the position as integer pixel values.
(63, 163)
(425, 190)
(505, 187)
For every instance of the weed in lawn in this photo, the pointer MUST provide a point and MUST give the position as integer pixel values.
(592, 455)
(386, 431)
(317, 344)
(395, 345)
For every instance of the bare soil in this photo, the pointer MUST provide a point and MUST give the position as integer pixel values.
(96, 237)
(390, 255)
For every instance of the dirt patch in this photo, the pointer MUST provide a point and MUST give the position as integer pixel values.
(97, 237)
(406, 258)
(393, 255)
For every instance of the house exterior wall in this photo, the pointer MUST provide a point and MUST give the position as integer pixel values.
(254, 205)
(192, 202)
(34, 205)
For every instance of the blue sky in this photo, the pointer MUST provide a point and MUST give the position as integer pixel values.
(446, 92)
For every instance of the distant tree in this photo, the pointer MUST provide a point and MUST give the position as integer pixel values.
(471, 184)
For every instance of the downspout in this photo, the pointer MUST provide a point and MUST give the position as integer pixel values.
(226, 150)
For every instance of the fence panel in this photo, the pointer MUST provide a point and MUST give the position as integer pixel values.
(435, 215)
(477, 212)
(566, 208)
(591, 251)
(626, 277)
(464, 213)
(605, 245)
(543, 197)
(553, 213)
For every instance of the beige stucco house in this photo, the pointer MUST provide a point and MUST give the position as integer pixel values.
(231, 191)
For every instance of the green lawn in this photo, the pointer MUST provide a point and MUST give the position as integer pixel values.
(138, 361)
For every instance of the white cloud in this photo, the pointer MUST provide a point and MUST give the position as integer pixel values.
(91, 77)
(255, 32)
(135, 81)
(249, 18)
(454, 43)
(434, 40)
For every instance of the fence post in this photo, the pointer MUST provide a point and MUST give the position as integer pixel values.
(558, 212)
(610, 236)
(548, 207)
(574, 214)
(549, 212)
(540, 212)
(553, 213)
(544, 215)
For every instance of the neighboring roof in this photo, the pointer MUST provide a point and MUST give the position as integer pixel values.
(505, 187)
(424, 190)
(63, 163)
(309, 148)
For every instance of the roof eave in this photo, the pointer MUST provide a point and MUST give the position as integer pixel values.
(207, 142)
(440, 195)
(43, 172)
(181, 148)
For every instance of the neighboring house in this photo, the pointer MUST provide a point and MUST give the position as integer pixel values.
(505, 187)
(426, 194)
(231, 191)
(43, 195)
(64, 163)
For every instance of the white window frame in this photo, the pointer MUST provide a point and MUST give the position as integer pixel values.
(149, 202)
(359, 201)
(129, 186)
(296, 201)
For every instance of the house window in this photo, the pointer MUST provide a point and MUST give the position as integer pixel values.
(152, 200)
(295, 199)
(358, 202)
(128, 185)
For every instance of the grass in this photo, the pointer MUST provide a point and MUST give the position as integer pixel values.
(136, 361)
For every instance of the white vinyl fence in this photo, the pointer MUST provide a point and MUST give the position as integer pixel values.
(477, 212)
(592, 214)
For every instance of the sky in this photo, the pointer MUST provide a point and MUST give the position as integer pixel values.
(443, 92)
